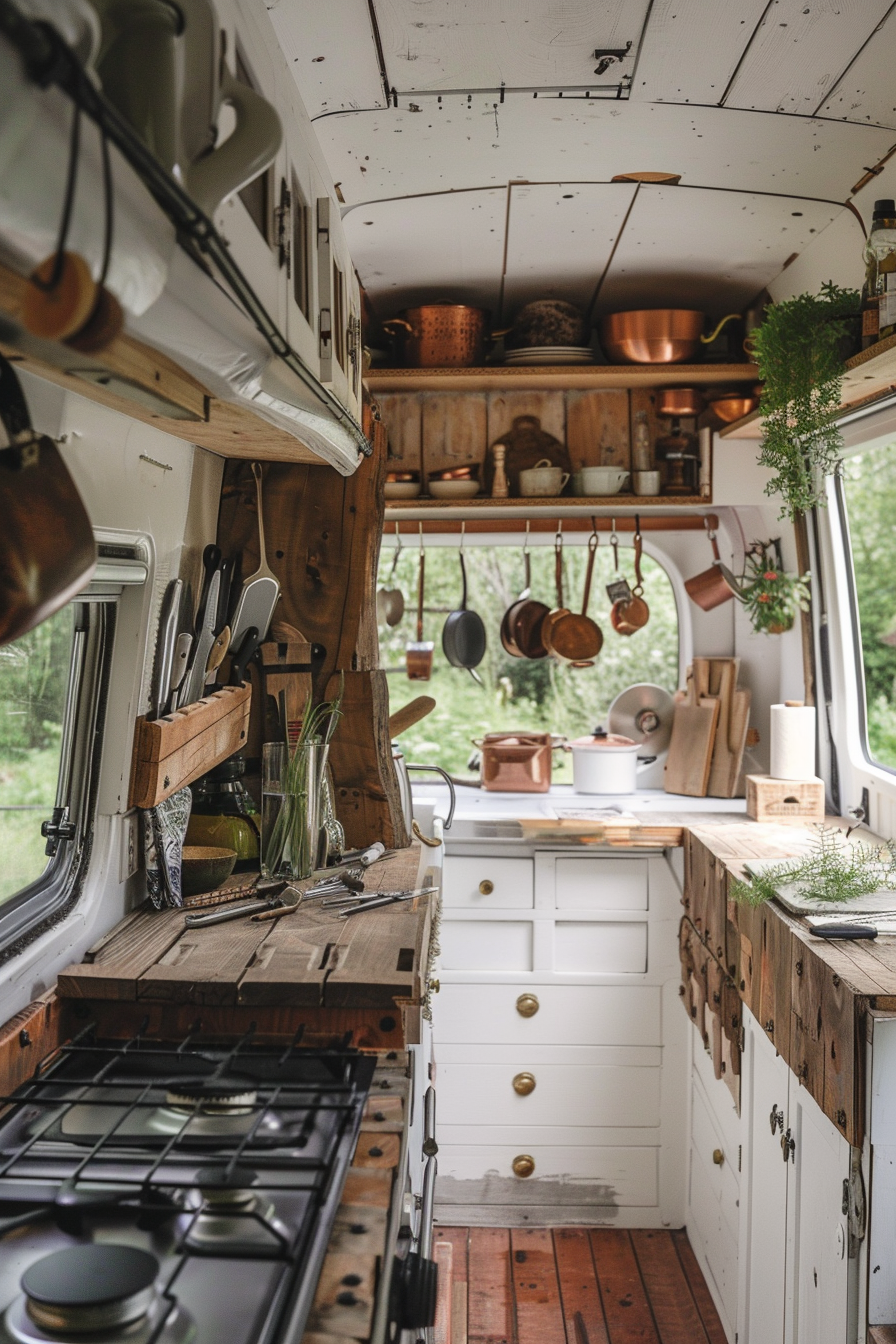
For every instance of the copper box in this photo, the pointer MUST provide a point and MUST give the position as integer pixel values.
(516, 762)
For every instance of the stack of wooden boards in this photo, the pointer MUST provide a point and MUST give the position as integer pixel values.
(709, 733)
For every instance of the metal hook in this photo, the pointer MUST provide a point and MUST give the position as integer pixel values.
(558, 536)
(526, 542)
(463, 528)
(420, 525)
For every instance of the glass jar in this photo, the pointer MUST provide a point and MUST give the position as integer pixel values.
(879, 289)
(291, 784)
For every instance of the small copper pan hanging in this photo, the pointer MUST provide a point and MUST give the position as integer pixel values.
(576, 640)
(628, 616)
(713, 586)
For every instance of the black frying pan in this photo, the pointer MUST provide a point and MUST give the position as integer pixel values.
(463, 635)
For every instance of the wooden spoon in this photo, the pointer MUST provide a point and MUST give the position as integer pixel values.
(409, 714)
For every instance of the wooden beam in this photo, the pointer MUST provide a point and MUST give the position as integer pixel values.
(681, 522)
(558, 377)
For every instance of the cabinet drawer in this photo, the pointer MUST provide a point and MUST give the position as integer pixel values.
(600, 884)
(607, 947)
(618, 1177)
(717, 1097)
(567, 1014)
(708, 1230)
(489, 884)
(564, 1094)
(721, 1178)
(486, 945)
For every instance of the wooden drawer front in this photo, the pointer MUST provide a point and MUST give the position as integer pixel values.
(574, 1175)
(607, 947)
(600, 884)
(485, 945)
(564, 1094)
(721, 1179)
(571, 1014)
(508, 883)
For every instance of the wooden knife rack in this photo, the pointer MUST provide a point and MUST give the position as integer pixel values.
(172, 751)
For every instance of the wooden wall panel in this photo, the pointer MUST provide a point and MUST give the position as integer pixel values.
(454, 429)
(598, 429)
(401, 414)
(504, 407)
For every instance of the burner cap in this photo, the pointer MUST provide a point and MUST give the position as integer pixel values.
(89, 1276)
(220, 1178)
(212, 1093)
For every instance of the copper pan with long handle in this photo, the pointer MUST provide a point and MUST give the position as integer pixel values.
(713, 586)
(576, 639)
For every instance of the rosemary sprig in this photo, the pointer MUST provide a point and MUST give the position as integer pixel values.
(834, 871)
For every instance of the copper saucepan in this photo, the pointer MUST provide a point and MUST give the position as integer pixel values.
(576, 640)
(629, 615)
(442, 335)
(556, 613)
(713, 586)
(656, 335)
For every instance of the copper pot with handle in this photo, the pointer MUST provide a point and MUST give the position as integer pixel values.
(713, 586)
(576, 640)
(441, 335)
(629, 615)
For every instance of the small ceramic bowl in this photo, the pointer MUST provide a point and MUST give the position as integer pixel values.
(402, 489)
(205, 867)
(453, 489)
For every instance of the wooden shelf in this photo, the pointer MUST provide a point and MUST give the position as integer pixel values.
(566, 504)
(558, 377)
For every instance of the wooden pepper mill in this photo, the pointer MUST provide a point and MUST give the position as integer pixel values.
(500, 487)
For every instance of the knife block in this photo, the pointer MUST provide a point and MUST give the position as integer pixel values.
(173, 751)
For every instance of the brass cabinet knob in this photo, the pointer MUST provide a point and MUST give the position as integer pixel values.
(718, 1156)
(527, 1005)
(434, 986)
(524, 1165)
(523, 1084)
(486, 887)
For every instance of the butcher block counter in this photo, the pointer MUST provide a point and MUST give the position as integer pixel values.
(366, 975)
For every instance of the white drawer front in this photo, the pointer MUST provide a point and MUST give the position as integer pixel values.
(717, 1097)
(574, 1175)
(708, 1228)
(564, 1094)
(722, 1178)
(571, 1014)
(486, 945)
(605, 947)
(488, 884)
(600, 884)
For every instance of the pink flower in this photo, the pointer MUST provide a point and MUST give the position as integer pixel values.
(770, 575)
(764, 597)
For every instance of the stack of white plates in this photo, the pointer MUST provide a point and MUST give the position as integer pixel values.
(551, 354)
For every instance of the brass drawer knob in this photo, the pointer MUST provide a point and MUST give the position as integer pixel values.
(523, 1084)
(718, 1156)
(527, 1005)
(524, 1165)
(486, 887)
(434, 986)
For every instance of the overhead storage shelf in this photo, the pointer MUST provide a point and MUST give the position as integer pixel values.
(558, 377)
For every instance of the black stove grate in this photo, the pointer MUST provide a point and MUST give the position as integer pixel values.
(93, 1134)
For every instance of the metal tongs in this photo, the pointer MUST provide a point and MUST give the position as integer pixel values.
(279, 895)
(376, 901)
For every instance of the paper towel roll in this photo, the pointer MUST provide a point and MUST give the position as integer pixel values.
(792, 742)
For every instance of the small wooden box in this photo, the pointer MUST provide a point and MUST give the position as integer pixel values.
(786, 800)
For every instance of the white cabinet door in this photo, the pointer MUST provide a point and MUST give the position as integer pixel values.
(817, 1258)
(764, 1189)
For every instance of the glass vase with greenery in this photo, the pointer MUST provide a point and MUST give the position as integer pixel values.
(771, 596)
(800, 350)
(292, 788)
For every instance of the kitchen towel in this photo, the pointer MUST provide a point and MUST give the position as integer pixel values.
(792, 741)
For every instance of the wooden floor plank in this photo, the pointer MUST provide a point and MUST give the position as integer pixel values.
(674, 1309)
(490, 1293)
(626, 1308)
(539, 1311)
(459, 1237)
(711, 1323)
(578, 1285)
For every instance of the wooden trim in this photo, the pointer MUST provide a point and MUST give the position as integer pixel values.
(558, 377)
(680, 522)
(173, 751)
(542, 505)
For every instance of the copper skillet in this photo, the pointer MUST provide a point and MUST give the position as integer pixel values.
(521, 624)
(627, 617)
(576, 640)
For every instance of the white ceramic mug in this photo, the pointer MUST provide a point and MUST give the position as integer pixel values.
(590, 481)
(647, 482)
(543, 479)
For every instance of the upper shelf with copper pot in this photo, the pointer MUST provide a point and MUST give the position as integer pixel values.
(496, 378)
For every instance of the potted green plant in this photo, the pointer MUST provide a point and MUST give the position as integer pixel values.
(771, 596)
(800, 349)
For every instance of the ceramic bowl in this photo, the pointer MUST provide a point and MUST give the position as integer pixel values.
(592, 481)
(402, 489)
(205, 867)
(453, 489)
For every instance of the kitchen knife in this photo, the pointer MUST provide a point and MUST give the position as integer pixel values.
(217, 655)
(202, 645)
(242, 657)
(261, 590)
(211, 562)
(851, 932)
(224, 593)
(179, 668)
(167, 638)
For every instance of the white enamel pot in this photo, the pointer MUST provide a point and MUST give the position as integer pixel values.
(604, 763)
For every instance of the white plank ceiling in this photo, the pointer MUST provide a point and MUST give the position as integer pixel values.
(774, 109)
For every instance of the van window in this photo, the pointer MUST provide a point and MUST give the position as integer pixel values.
(519, 693)
(869, 492)
(34, 674)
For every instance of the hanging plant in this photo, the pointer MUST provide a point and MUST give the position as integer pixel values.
(800, 350)
(771, 596)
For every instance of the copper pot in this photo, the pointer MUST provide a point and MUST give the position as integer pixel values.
(713, 586)
(655, 335)
(468, 472)
(515, 762)
(442, 335)
(680, 402)
(732, 408)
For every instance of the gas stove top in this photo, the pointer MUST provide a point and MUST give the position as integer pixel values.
(176, 1194)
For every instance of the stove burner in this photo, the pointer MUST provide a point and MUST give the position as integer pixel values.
(88, 1288)
(233, 1215)
(215, 1096)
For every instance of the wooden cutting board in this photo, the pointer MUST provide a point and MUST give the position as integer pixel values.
(690, 750)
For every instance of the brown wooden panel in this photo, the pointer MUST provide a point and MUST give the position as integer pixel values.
(667, 1287)
(359, 1230)
(626, 1308)
(578, 1285)
(118, 964)
(377, 959)
(26, 1039)
(345, 1297)
(489, 1297)
(455, 429)
(204, 965)
(539, 1313)
(402, 417)
(379, 1151)
(173, 751)
(597, 429)
(289, 967)
(697, 1284)
(775, 971)
(807, 1023)
(844, 1021)
(368, 1187)
(367, 799)
(459, 1238)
